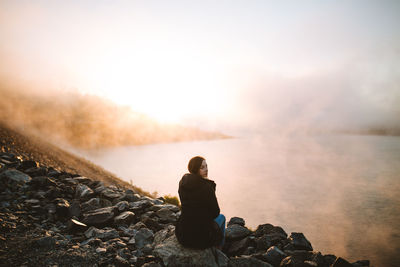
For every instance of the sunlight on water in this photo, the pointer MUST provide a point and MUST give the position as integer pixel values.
(342, 192)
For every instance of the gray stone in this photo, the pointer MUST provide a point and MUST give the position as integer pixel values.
(291, 261)
(172, 253)
(121, 262)
(91, 204)
(111, 193)
(122, 206)
(143, 237)
(151, 264)
(268, 240)
(139, 205)
(237, 247)
(101, 250)
(126, 217)
(15, 176)
(83, 191)
(300, 242)
(98, 217)
(267, 228)
(236, 232)
(361, 263)
(236, 220)
(166, 215)
(130, 231)
(274, 256)
(247, 261)
(104, 234)
(82, 180)
(340, 262)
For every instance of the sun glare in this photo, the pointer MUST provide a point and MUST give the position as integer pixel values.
(166, 86)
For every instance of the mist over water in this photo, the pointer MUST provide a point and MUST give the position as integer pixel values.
(341, 191)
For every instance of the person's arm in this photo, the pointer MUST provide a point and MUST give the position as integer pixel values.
(212, 202)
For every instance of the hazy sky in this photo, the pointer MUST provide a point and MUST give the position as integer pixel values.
(223, 65)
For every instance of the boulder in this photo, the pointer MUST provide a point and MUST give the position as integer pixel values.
(122, 206)
(173, 254)
(340, 262)
(98, 217)
(126, 217)
(111, 193)
(247, 261)
(143, 237)
(236, 220)
(16, 176)
(267, 228)
(104, 234)
(166, 215)
(266, 241)
(274, 256)
(300, 242)
(91, 204)
(237, 247)
(361, 263)
(236, 232)
(83, 191)
(139, 205)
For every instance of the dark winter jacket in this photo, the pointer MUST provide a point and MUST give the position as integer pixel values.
(196, 227)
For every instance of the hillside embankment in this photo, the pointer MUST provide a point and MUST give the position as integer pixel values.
(57, 209)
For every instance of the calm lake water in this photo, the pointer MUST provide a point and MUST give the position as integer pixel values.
(341, 191)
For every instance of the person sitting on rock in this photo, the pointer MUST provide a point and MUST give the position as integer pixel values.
(200, 225)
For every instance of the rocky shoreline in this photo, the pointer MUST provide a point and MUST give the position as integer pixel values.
(50, 217)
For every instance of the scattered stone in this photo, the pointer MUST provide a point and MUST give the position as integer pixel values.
(236, 220)
(236, 232)
(247, 261)
(104, 234)
(126, 217)
(16, 176)
(166, 215)
(340, 262)
(83, 191)
(143, 237)
(99, 217)
(299, 241)
(274, 256)
(101, 250)
(172, 253)
(122, 206)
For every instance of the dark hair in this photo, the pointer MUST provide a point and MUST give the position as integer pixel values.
(195, 164)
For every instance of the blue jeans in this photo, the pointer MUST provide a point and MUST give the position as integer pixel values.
(221, 222)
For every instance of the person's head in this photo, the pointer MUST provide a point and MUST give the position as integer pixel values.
(198, 165)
